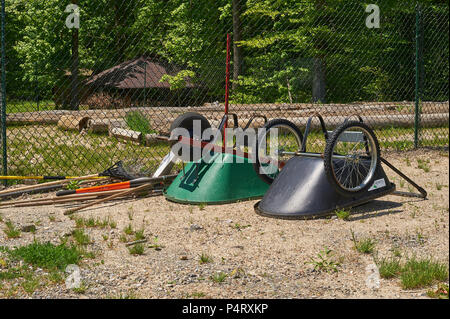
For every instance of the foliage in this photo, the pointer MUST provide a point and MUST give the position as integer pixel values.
(136, 121)
(286, 45)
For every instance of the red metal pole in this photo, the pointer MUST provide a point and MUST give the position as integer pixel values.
(227, 86)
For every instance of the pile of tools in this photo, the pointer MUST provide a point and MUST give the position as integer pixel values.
(125, 185)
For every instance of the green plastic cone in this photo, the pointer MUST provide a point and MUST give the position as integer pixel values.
(227, 178)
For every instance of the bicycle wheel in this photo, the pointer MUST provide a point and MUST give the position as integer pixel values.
(278, 136)
(352, 155)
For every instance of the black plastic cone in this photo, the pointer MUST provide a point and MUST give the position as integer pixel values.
(302, 191)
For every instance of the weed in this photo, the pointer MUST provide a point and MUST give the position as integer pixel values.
(219, 277)
(365, 246)
(92, 222)
(396, 252)
(123, 238)
(73, 185)
(105, 237)
(324, 263)
(80, 290)
(47, 255)
(30, 284)
(128, 230)
(202, 206)
(423, 164)
(420, 273)
(197, 295)
(415, 273)
(204, 259)
(408, 162)
(420, 238)
(240, 227)
(11, 231)
(55, 276)
(389, 268)
(343, 214)
(137, 249)
(130, 214)
(112, 224)
(128, 295)
(81, 237)
(155, 244)
(51, 218)
(14, 272)
(139, 234)
(440, 293)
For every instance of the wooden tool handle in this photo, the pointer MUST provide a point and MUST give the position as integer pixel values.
(61, 182)
(127, 192)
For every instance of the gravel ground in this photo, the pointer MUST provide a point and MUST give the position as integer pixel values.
(262, 257)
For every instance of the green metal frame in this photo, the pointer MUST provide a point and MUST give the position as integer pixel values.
(3, 94)
(418, 78)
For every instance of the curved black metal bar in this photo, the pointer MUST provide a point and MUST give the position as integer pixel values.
(357, 115)
(254, 117)
(308, 127)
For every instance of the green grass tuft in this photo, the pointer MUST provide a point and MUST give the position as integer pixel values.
(364, 246)
(80, 237)
(11, 231)
(219, 277)
(389, 268)
(137, 249)
(421, 273)
(204, 259)
(47, 255)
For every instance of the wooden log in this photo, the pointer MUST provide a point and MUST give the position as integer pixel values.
(98, 127)
(73, 122)
(150, 139)
(104, 125)
(125, 134)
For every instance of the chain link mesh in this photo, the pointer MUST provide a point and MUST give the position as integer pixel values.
(80, 99)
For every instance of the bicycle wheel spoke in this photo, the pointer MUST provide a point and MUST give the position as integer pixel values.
(358, 148)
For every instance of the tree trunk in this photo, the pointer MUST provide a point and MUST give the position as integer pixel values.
(237, 35)
(74, 85)
(120, 13)
(319, 90)
(319, 79)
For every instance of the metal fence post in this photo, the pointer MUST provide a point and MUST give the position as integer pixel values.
(3, 94)
(418, 80)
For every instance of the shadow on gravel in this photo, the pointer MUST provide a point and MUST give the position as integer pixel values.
(375, 208)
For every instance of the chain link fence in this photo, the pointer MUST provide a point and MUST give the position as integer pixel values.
(88, 83)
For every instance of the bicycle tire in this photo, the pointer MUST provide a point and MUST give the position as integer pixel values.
(355, 171)
(269, 178)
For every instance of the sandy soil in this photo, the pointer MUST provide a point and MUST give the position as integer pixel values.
(263, 257)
